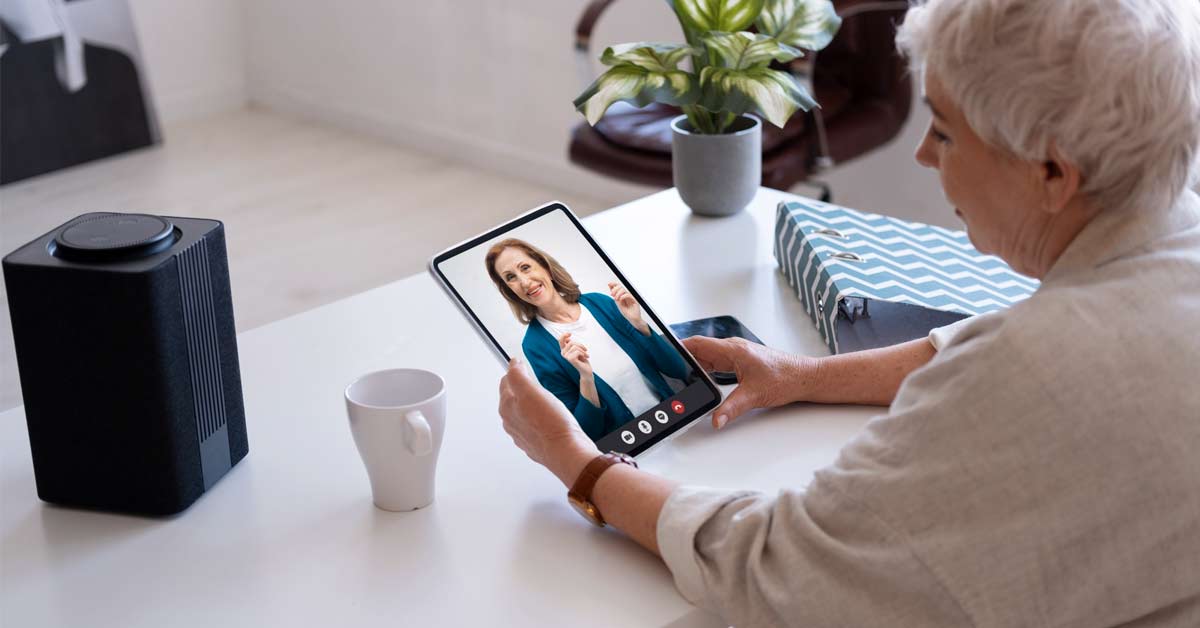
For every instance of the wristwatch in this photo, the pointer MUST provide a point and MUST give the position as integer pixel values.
(580, 494)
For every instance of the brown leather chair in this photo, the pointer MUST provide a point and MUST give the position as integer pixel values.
(860, 81)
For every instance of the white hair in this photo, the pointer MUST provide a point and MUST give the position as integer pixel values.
(1113, 84)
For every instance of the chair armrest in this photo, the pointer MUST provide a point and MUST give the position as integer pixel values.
(852, 8)
(583, 41)
(587, 21)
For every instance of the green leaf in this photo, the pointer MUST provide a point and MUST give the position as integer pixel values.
(641, 74)
(772, 94)
(651, 56)
(807, 24)
(717, 15)
(745, 50)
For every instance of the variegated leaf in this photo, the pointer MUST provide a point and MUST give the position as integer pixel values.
(637, 85)
(651, 56)
(807, 24)
(772, 94)
(717, 15)
(745, 50)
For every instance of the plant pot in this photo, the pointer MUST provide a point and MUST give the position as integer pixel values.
(717, 175)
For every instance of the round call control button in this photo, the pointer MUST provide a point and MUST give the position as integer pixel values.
(644, 426)
(628, 437)
(677, 407)
(660, 416)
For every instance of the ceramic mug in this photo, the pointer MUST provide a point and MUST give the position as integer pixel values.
(398, 418)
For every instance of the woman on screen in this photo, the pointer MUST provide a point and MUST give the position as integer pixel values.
(593, 351)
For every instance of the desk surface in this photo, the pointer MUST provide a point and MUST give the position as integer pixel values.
(290, 535)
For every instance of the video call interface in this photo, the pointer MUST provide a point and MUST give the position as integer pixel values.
(545, 294)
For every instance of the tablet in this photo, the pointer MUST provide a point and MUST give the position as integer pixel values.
(540, 288)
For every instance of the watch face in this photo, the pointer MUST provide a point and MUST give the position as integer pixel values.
(587, 510)
(626, 458)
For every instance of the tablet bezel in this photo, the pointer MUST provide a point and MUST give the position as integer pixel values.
(533, 214)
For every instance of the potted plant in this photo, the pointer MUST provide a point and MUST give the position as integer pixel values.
(716, 146)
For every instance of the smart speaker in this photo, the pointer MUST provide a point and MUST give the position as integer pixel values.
(123, 326)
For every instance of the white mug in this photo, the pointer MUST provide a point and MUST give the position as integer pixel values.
(398, 418)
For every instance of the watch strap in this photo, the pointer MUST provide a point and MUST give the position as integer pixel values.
(582, 489)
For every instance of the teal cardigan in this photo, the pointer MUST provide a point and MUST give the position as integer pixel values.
(652, 355)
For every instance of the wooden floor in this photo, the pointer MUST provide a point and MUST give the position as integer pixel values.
(312, 214)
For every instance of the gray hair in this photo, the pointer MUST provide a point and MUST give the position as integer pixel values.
(1113, 84)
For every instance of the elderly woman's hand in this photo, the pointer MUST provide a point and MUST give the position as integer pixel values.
(766, 377)
(542, 426)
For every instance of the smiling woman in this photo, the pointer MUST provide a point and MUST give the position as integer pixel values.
(593, 351)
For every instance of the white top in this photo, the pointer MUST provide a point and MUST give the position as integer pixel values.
(1041, 470)
(609, 361)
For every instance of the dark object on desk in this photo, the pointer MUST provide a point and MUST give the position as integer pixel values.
(860, 80)
(123, 325)
(716, 327)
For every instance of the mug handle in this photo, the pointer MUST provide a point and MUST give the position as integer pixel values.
(418, 437)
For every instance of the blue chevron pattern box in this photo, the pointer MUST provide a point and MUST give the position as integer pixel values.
(870, 281)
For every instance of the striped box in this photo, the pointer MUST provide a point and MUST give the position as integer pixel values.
(870, 281)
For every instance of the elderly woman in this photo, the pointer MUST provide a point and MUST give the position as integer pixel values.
(1038, 466)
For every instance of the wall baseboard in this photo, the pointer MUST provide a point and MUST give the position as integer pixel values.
(553, 172)
(194, 103)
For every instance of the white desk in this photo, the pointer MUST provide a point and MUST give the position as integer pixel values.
(290, 536)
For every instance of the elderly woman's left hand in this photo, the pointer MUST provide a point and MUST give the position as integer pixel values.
(542, 426)
(629, 307)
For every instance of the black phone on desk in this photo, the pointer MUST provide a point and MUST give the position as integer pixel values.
(716, 327)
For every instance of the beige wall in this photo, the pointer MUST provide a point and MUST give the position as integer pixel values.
(485, 82)
(194, 55)
(488, 82)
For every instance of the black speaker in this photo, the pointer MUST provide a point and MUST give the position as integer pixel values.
(123, 325)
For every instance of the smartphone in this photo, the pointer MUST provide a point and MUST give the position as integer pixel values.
(716, 327)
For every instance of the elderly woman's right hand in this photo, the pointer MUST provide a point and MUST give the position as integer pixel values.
(766, 377)
(576, 354)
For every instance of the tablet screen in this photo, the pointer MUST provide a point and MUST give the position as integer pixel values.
(539, 288)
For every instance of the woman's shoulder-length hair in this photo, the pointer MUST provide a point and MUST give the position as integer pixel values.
(564, 284)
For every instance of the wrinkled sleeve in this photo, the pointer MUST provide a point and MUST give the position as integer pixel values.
(884, 535)
(941, 336)
(810, 558)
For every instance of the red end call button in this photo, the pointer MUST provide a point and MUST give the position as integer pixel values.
(677, 407)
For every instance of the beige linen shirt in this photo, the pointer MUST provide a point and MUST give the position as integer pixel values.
(1042, 470)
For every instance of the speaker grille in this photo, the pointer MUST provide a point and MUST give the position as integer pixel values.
(199, 321)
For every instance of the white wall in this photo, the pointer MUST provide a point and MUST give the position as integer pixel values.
(488, 82)
(194, 55)
(890, 181)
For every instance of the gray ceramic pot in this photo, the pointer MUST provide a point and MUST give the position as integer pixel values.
(717, 175)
